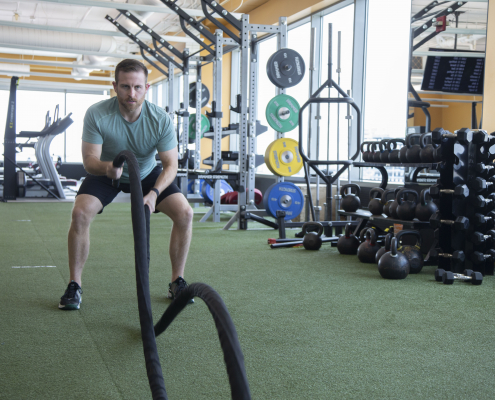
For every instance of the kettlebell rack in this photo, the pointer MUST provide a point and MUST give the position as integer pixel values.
(464, 236)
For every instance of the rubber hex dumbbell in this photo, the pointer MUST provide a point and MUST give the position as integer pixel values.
(484, 221)
(464, 136)
(480, 239)
(479, 258)
(476, 278)
(482, 185)
(461, 191)
(457, 257)
(460, 223)
(440, 272)
(484, 203)
(484, 171)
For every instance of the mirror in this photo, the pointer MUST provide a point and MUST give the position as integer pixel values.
(448, 41)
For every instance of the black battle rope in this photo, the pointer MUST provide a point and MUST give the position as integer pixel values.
(229, 341)
(232, 353)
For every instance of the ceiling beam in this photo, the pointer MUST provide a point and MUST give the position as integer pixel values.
(56, 64)
(48, 75)
(168, 38)
(70, 51)
(28, 84)
(126, 6)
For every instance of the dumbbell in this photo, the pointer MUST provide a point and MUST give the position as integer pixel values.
(484, 171)
(456, 257)
(485, 203)
(459, 191)
(479, 238)
(479, 258)
(463, 135)
(448, 277)
(484, 221)
(482, 185)
(460, 223)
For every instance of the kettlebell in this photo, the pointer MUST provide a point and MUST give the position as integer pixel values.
(371, 151)
(387, 203)
(381, 148)
(350, 201)
(393, 156)
(365, 153)
(427, 152)
(375, 206)
(393, 265)
(385, 248)
(412, 253)
(402, 152)
(348, 243)
(395, 204)
(424, 210)
(385, 151)
(413, 149)
(406, 208)
(367, 250)
(312, 240)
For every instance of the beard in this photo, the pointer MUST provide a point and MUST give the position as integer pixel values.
(129, 103)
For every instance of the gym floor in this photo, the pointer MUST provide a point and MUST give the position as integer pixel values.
(312, 325)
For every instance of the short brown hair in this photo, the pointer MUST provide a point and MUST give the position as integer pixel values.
(130, 65)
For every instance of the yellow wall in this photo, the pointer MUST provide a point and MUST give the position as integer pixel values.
(489, 89)
(456, 116)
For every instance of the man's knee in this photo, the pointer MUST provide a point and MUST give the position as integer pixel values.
(185, 215)
(84, 212)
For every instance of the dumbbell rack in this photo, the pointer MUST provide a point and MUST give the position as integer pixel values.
(459, 158)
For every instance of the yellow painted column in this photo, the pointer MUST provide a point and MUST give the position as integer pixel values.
(489, 86)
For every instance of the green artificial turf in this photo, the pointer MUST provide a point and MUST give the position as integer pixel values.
(312, 325)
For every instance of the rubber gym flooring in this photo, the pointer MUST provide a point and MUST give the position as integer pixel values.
(312, 325)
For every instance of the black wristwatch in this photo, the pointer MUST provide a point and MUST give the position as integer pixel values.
(156, 191)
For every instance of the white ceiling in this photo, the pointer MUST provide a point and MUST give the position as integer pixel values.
(58, 28)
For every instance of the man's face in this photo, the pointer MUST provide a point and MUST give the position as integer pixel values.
(131, 89)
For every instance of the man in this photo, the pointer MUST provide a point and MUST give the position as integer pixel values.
(128, 122)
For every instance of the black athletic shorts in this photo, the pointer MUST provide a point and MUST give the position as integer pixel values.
(101, 187)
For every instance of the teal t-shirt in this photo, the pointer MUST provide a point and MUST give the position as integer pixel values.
(153, 131)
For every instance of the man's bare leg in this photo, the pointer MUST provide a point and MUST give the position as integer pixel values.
(85, 209)
(180, 212)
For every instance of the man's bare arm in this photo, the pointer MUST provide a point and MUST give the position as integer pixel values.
(170, 162)
(91, 160)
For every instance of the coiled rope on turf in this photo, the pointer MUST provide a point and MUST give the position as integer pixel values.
(229, 341)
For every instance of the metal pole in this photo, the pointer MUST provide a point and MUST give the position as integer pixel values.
(337, 195)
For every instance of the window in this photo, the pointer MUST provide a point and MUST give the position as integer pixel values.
(31, 110)
(78, 104)
(333, 123)
(387, 63)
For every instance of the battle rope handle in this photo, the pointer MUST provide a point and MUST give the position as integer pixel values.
(227, 333)
(229, 342)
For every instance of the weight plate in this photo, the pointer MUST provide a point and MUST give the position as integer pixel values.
(205, 95)
(284, 196)
(190, 184)
(208, 192)
(285, 68)
(282, 157)
(282, 113)
(205, 126)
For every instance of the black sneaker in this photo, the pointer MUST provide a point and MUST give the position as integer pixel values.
(71, 300)
(176, 287)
